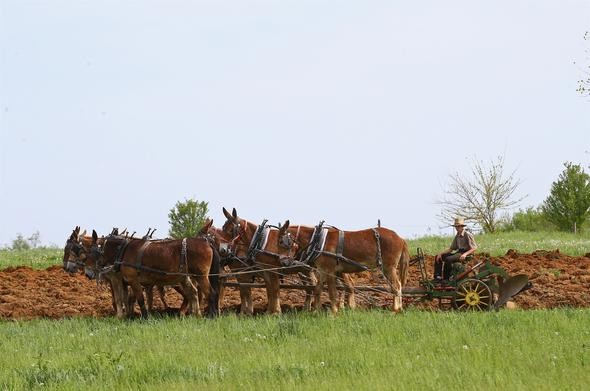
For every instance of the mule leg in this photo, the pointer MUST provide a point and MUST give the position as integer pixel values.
(118, 296)
(247, 305)
(149, 296)
(203, 289)
(350, 298)
(138, 292)
(184, 299)
(273, 289)
(221, 294)
(396, 285)
(129, 300)
(191, 295)
(309, 278)
(341, 294)
(317, 292)
(162, 294)
(332, 292)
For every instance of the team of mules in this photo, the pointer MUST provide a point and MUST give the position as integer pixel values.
(196, 267)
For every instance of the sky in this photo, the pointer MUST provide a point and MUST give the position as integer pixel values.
(343, 111)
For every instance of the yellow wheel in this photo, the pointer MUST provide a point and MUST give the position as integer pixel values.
(473, 295)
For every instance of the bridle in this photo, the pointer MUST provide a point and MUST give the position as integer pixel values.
(238, 232)
(74, 247)
(287, 241)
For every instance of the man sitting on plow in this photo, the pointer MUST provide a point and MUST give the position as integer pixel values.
(448, 262)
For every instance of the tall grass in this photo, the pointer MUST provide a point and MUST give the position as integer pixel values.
(37, 258)
(525, 242)
(541, 350)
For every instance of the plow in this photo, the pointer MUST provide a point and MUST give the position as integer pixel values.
(482, 286)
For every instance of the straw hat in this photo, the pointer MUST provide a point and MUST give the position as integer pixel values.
(459, 222)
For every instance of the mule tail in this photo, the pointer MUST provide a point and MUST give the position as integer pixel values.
(214, 281)
(404, 264)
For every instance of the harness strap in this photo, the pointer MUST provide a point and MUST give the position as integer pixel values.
(342, 258)
(340, 247)
(120, 254)
(258, 241)
(379, 260)
(142, 249)
(183, 257)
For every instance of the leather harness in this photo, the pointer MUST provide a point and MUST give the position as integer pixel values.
(315, 249)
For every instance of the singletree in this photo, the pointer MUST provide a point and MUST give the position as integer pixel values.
(480, 197)
(568, 204)
(187, 218)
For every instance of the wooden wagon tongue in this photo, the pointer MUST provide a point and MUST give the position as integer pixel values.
(512, 287)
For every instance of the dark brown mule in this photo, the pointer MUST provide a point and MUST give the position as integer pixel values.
(164, 262)
(357, 251)
(75, 258)
(268, 250)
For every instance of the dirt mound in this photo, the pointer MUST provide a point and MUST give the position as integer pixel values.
(558, 280)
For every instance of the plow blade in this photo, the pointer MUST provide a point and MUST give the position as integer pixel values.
(512, 287)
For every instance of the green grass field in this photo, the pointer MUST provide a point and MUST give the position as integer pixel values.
(417, 350)
(497, 244)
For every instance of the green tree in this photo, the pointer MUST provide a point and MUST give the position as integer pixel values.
(187, 218)
(529, 219)
(20, 243)
(568, 204)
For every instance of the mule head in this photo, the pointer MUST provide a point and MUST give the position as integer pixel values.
(74, 252)
(287, 245)
(234, 227)
(96, 258)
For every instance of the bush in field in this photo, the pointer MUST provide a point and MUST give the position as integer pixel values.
(568, 204)
(530, 219)
(187, 218)
(20, 243)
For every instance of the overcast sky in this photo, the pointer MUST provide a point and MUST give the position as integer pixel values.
(346, 111)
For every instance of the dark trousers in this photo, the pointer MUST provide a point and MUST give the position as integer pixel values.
(444, 268)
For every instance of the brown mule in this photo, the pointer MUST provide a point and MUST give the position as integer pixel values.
(268, 250)
(164, 262)
(353, 252)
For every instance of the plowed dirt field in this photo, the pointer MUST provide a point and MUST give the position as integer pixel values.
(558, 280)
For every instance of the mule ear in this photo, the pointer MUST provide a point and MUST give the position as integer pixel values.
(226, 214)
(83, 233)
(206, 227)
(284, 227)
(234, 213)
(94, 236)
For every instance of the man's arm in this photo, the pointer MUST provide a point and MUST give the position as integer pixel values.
(472, 246)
